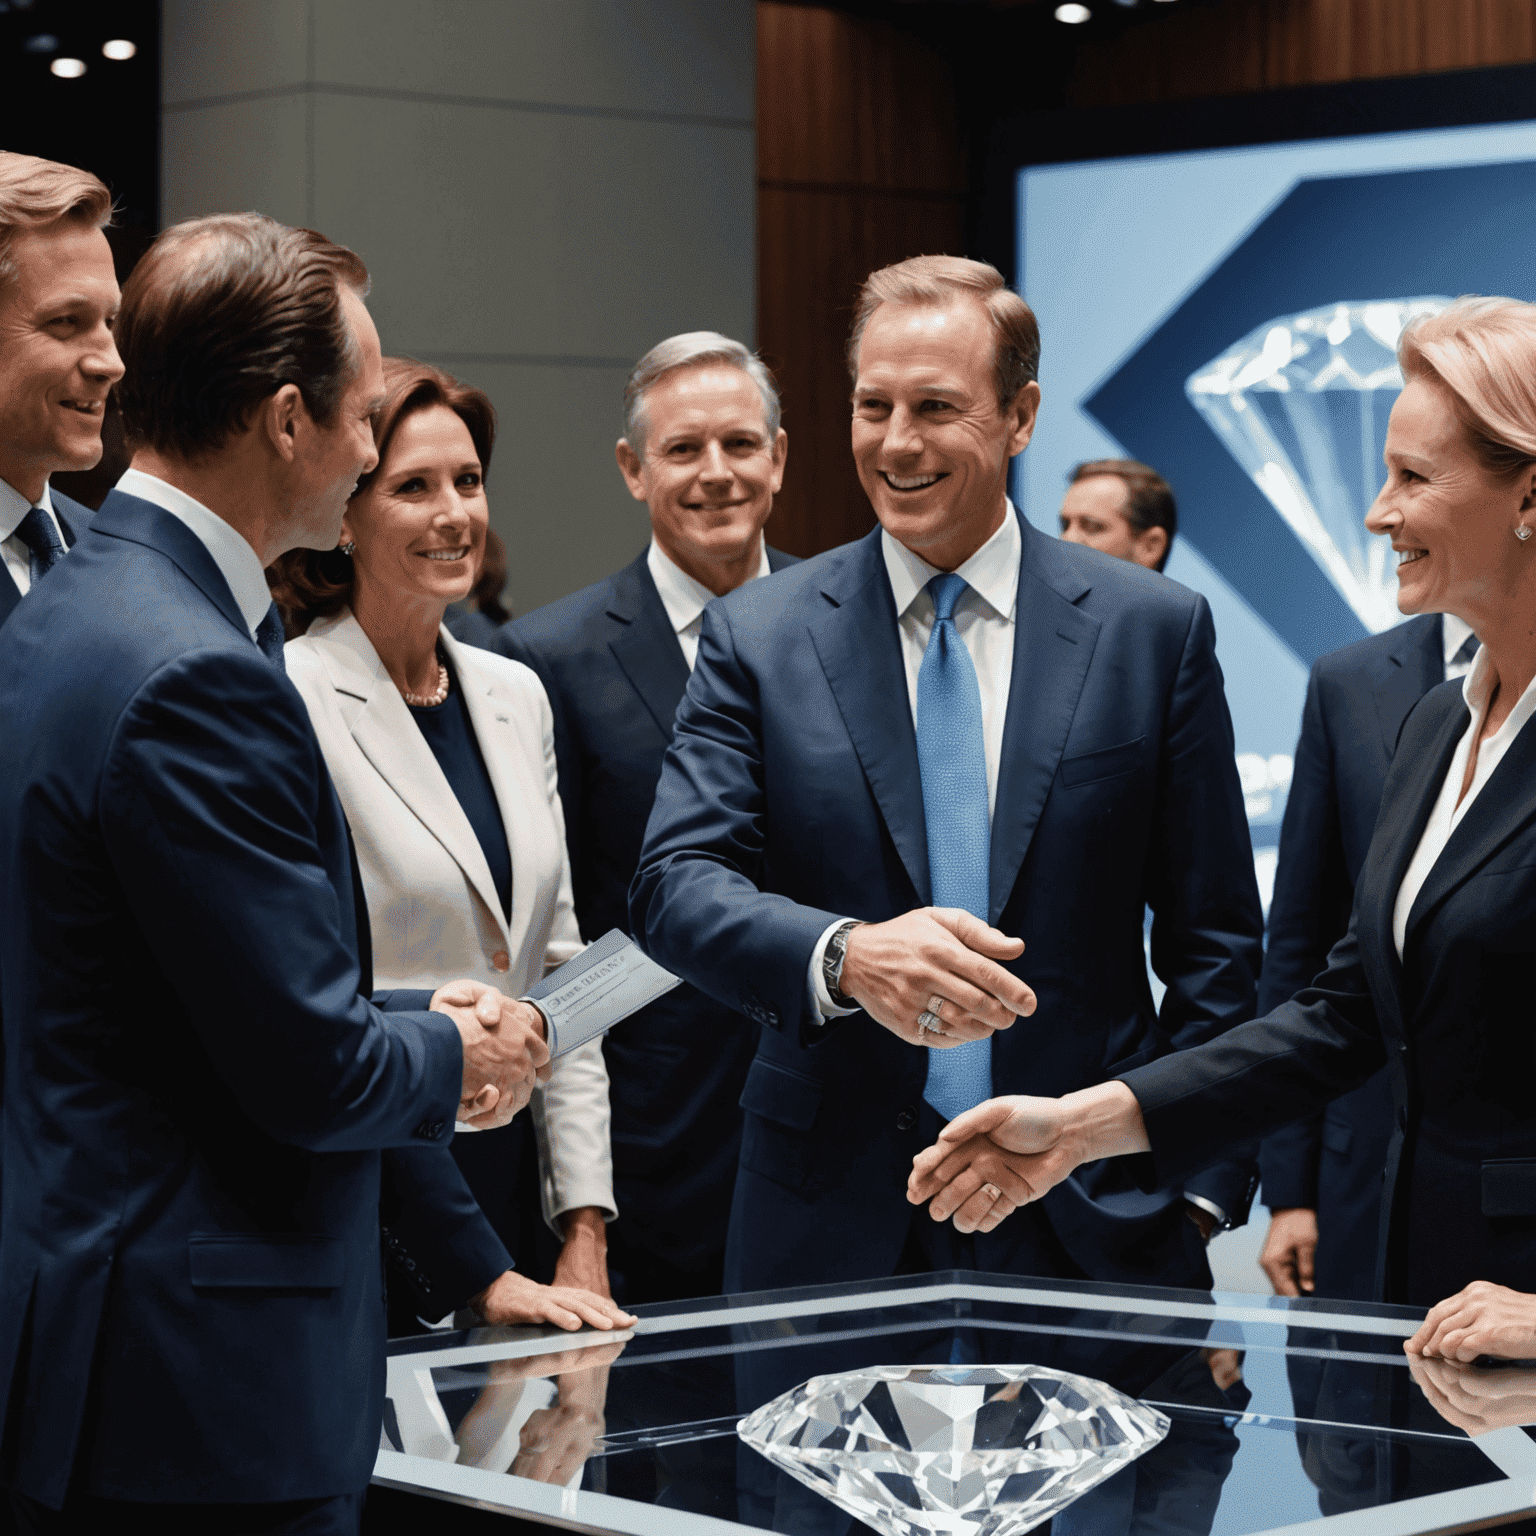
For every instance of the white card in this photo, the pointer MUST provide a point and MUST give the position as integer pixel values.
(606, 982)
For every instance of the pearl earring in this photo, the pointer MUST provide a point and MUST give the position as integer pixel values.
(1522, 533)
(349, 548)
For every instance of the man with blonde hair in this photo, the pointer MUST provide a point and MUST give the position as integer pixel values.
(58, 299)
(900, 761)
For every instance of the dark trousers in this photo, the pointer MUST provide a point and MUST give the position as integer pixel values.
(84, 1515)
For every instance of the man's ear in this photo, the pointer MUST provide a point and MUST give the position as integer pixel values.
(1151, 547)
(283, 416)
(1022, 413)
(631, 468)
(780, 455)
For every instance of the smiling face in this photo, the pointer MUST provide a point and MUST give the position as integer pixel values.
(930, 444)
(57, 357)
(420, 525)
(710, 471)
(1451, 522)
(1094, 512)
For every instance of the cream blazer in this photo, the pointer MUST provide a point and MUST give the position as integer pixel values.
(432, 905)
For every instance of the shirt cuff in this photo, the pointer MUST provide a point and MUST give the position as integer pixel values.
(1210, 1206)
(815, 982)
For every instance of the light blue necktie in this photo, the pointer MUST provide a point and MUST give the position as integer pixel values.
(952, 759)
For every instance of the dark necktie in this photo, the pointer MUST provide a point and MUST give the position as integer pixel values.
(37, 532)
(269, 636)
(952, 762)
(1466, 651)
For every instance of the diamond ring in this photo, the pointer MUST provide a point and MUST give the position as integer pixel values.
(936, 1005)
(929, 1021)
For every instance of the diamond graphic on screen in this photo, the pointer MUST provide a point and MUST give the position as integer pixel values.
(984, 1450)
(1302, 404)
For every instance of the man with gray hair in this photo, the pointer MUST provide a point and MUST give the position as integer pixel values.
(703, 449)
(58, 298)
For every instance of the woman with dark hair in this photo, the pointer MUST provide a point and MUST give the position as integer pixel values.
(444, 760)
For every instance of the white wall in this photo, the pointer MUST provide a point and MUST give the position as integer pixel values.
(542, 189)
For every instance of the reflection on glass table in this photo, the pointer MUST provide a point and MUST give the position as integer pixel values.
(1284, 1415)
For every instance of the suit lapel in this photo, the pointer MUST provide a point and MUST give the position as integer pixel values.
(1413, 666)
(1053, 644)
(387, 736)
(859, 646)
(646, 648)
(10, 594)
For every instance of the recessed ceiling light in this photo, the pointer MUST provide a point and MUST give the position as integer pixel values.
(68, 69)
(119, 48)
(1072, 14)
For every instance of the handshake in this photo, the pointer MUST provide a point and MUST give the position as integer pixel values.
(1009, 1151)
(505, 1051)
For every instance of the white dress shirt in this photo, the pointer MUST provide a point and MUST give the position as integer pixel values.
(1454, 633)
(1447, 814)
(984, 619)
(238, 563)
(685, 599)
(13, 508)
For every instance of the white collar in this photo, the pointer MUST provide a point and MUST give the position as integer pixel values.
(1474, 694)
(14, 506)
(683, 597)
(992, 572)
(1453, 632)
(238, 563)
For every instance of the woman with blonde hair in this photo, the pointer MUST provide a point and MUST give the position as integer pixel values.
(443, 756)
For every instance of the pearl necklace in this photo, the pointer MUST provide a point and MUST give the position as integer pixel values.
(438, 694)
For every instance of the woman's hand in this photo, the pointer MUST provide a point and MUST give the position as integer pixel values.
(557, 1440)
(583, 1262)
(1483, 1319)
(514, 1300)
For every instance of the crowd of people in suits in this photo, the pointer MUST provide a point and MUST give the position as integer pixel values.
(287, 834)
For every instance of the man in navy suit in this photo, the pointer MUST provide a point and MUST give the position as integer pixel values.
(955, 710)
(58, 298)
(198, 1088)
(1322, 1176)
(703, 449)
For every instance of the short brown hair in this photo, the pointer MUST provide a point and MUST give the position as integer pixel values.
(220, 313)
(1149, 498)
(1484, 352)
(310, 584)
(938, 280)
(35, 193)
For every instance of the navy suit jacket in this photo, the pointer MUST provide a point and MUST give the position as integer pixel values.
(196, 1093)
(1357, 700)
(791, 796)
(1452, 1022)
(73, 520)
(615, 674)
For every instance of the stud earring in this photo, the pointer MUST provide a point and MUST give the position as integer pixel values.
(349, 548)
(1522, 533)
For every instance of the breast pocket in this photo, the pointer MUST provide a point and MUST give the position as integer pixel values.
(1106, 763)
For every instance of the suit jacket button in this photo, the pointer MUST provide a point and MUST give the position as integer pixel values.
(906, 1118)
(501, 961)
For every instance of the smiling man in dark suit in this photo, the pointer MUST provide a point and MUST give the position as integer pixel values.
(901, 760)
(703, 449)
(58, 299)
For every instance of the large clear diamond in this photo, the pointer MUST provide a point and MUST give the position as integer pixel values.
(1302, 404)
(979, 1450)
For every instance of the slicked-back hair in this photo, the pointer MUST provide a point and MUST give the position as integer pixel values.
(694, 349)
(936, 282)
(310, 584)
(1149, 498)
(36, 193)
(218, 315)
(1483, 350)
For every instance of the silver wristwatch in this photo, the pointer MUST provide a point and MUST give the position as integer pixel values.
(832, 958)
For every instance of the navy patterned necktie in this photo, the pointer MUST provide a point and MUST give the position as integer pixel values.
(37, 532)
(269, 636)
(952, 762)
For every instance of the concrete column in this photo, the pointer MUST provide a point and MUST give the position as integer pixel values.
(542, 189)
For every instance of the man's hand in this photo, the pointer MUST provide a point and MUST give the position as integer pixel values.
(555, 1441)
(1009, 1151)
(513, 1299)
(583, 1261)
(504, 1050)
(938, 960)
(1483, 1319)
(1476, 1399)
(1290, 1250)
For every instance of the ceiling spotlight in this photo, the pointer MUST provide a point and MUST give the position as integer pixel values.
(68, 69)
(119, 48)
(44, 42)
(1073, 14)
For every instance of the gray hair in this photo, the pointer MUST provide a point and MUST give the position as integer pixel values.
(691, 350)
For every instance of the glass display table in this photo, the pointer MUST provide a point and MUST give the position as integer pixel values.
(1286, 1416)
